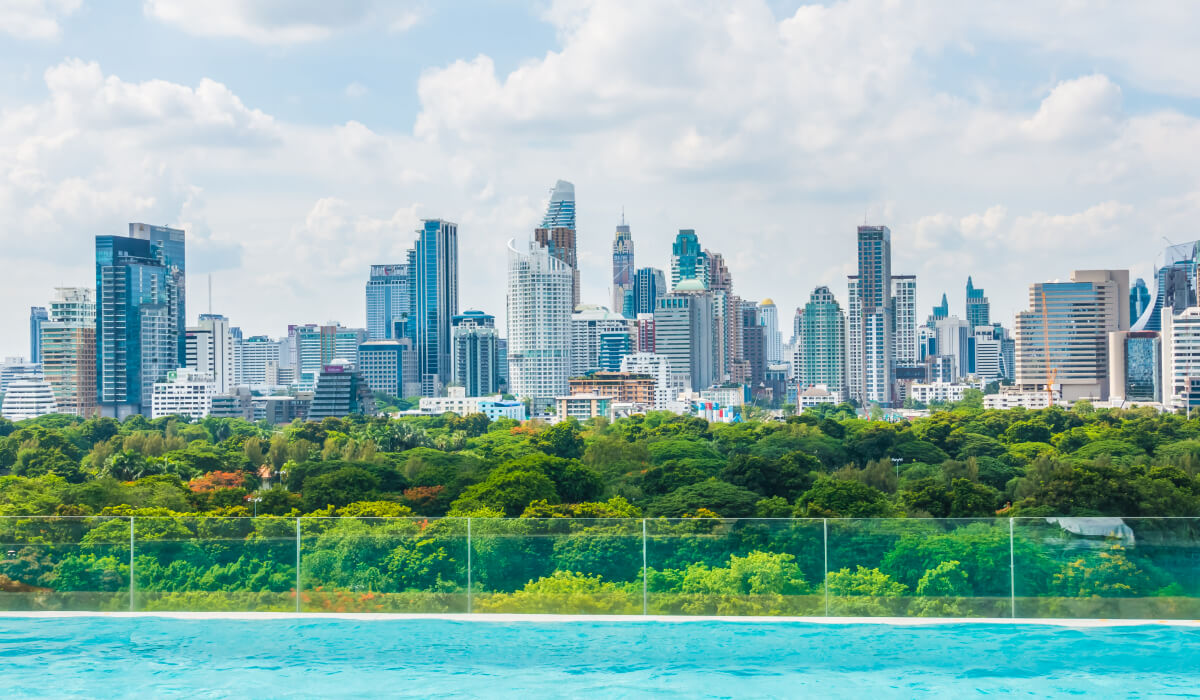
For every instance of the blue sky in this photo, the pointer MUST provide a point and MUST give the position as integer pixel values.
(299, 142)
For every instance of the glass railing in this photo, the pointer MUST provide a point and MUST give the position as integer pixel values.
(1013, 567)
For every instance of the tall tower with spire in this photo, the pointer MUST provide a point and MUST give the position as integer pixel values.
(623, 270)
(557, 232)
(978, 308)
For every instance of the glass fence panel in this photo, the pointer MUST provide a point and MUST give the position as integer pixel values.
(402, 565)
(64, 563)
(707, 566)
(1139, 568)
(214, 564)
(919, 567)
(557, 565)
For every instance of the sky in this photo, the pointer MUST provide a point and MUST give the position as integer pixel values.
(300, 142)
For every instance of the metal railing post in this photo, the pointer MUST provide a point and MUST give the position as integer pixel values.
(470, 600)
(1012, 571)
(825, 529)
(132, 607)
(298, 607)
(644, 587)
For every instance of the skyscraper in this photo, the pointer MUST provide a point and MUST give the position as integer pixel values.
(649, 285)
(869, 356)
(539, 305)
(318, 346)
(754, 343)
(688, 260)
(821, 344)
(940, 311)
(69, 350)
(557, 232)
(387, 365)
(623, 271)
(37, 316)
(1175, 286)
(1139, 299)
(1081, 313)
(257, 361)
(978, 309)
(435, 268)
(683, 333)
(476, 353)
(589, 326)
(768, 316)
(209, 350)
(139, 319)
(727, 317)
(389, 299)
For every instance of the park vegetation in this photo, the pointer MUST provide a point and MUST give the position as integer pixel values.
(822, 512)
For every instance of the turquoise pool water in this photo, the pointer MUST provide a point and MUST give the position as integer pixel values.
(432, 658)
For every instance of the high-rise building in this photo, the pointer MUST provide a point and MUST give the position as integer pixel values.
(435, 269)
(341, 391)
(1180, 357)
(139, 319)
(37, 316)
(688, 260)
(1081, 314)
(870, 363)
(388, 366)
(1135, 370)
(768, 316)
(649, 285)
(257, 361)
(318, 347)
(992, 353)
(645, 333)
(539, 306)
(15, 368)
(590, 326)
(684, 333)
(209, 350)
(955, 340)
(978, 308)
(939, 312)
(69, 350)
(623, 271)
(557, 232)
(476, 353)
(904, 310)
(820, 358)
(666, 384)
(754, 343)
(28, 398)
(1175, 286)
(1139, 300)
(389, 299)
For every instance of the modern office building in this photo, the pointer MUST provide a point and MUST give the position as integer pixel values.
(341, 391)
(1081, 314)
(939, 312)
(992, 354)
(978, 308)
(318, 346)
(140, 316)
(768, 316)
(209, 349)
(68, 345)
(754, 343)
(684, 333)
(623, 271)
(1139, 299)
(870, 362)
(539, 305)
(1181, 357)
(389, 366)
(186, 392)
(688, 259)
(820, 355)
(435, 269)
(281, 410)
(476, 353)
(904, 310)
(37, 316)
(1175, 286)
(390, 295)
(236, 403)
(15, 368)
(28, 398)
(596, 332)
(955, 340)
(649, 285)
(1135, 370)
(557, 232)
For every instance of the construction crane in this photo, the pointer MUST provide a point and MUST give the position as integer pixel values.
(1051, 372)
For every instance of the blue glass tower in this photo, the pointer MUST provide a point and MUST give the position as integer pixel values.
(37, 316)
(560, 213)
(138, 336)
(389, 299)
(649, 285)
(978, 308)
(1139, 299)
(688, 259)
(434, 261)
(169, 250)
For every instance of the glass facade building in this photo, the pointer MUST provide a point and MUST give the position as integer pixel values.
(623, 271)
(649, 285)
(870, 360)
(978, 308)
(820, 356)
(688, 260)
(476, 354)
(435, 269)
(37, 316)
(389, 299)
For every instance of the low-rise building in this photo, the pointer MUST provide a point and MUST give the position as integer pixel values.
(280, 410)
(813, 396)
(939, 392)
(237, 403)
(341, 391)
(1021, 399)
(497, 409)
(28, 398)
(187, 392)
(457, 401)
(584, 406)
(625, 387)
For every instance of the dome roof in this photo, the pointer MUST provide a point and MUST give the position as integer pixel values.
(690, 284)
(767, 302)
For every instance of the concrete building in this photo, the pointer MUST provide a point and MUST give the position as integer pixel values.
(768, 316)
(904, 310)
(649, 285)
(1082, 313)
(940, 392)
(281, 410)
(320, 346)
(623, 271)
(237, 403)
(684, 333)
(870, 359)
(475, 353)
(434, 260)
(209, 349)
(539, 306)
(257, 362)
(1019, 398)
(955, 340)
(624, 387)
(389, 366)
(69, 350)
(667, 384)
(186, 392)
(584, 406)
(390, 295)
(1135, 367)
(688, 260)
(557, 233)
(813, 396)
(820, 355)
(593, 330)
(341, 390)
(458, 402)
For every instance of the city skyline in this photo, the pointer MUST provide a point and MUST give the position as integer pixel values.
(270, 164)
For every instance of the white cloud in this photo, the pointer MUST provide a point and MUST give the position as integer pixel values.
(274, 22)
(355, 90)
(1079, 109)
(35, 19)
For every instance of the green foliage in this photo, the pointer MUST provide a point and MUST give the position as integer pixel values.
(836, 498)
(720, 497)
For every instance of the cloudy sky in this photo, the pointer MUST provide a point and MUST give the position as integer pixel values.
(299, 142)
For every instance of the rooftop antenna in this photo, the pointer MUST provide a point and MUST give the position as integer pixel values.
(622, 214)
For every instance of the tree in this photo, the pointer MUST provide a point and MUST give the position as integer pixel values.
(339, 488)
(787, 477)
(720, 497)
(835, 498)
(563, 439)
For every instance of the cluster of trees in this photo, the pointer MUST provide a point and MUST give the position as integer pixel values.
(965, 463)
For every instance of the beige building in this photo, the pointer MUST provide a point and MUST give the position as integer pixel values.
(1080, 314)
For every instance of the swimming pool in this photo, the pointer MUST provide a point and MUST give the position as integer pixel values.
(90, 656)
